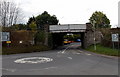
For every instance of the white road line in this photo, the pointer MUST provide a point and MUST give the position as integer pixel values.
(59, 51)
(50, 67)
(42, 69)
(64, 50)
(88, 54)
(80, 51)
(69, 57)
(10, 70)
(76, 53)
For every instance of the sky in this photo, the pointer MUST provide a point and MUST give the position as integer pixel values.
(70, 11)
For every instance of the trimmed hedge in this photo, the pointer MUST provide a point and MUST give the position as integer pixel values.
(27, 49)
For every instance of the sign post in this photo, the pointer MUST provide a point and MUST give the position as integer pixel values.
(115, 38)
(6, 38)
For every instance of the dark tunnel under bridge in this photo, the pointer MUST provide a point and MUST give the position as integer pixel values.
(58, 38)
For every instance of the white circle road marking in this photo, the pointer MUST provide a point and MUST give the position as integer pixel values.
(33, 60)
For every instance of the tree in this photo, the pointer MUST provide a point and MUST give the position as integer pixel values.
(9, 13)
(101, 20)
(45, 18)
(31, 19)
(18, 27)
(31, 24)
(22, 26)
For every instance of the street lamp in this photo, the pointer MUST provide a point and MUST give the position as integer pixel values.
(93, 23)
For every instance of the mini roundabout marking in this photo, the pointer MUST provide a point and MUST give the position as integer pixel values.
(33, 60)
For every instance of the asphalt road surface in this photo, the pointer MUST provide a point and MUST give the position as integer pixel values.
(67, 60)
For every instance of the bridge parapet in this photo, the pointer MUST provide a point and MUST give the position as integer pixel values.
(67, 28)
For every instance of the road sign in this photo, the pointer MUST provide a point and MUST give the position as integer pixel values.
(115, 37)
(5, 36)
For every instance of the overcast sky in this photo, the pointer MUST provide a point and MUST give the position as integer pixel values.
(70, 11)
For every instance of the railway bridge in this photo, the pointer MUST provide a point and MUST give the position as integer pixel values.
(85, 30)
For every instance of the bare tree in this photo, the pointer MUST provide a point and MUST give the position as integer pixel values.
(9, 13)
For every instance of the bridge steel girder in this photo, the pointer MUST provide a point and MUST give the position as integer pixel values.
(67, 28)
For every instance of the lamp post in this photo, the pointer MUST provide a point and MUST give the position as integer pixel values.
(94, 34)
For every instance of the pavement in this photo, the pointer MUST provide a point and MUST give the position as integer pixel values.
(66, 60)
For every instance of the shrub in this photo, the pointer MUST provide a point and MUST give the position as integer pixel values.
(39, 37)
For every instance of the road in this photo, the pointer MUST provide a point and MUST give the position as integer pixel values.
(67, 60)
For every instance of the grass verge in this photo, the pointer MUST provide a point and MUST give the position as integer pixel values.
(104, 50)
(27, 49)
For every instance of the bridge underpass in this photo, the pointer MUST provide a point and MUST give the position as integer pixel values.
(59, 31)
(58, 38)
